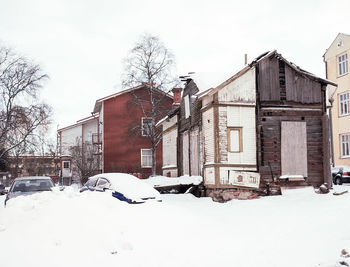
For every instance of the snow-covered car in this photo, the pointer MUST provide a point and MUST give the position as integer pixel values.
(341, 174)
(124, 187)
(29, 185)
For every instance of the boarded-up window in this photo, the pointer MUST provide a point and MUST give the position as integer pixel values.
(235, 141)
(294, 148)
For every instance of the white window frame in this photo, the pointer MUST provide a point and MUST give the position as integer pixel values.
(143, 163)
(143, 129)
(342, 64)
(345, 145)
(344, 104)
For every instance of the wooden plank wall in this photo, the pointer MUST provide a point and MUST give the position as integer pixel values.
(269, 148)
(269, 80)
(300, 89)
(284, 94)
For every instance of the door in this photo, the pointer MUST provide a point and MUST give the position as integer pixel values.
(66, 168)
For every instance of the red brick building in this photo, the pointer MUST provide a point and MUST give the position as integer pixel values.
(125, 146)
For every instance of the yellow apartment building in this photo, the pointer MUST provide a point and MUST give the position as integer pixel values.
(337, 70)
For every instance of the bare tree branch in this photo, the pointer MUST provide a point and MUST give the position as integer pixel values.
(20, 112)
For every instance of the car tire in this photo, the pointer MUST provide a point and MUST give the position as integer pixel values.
(337, 181)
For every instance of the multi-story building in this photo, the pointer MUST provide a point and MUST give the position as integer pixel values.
(336, 61)
(80, 150)
(124, 129)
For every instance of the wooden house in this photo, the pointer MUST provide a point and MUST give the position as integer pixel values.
(268, 122)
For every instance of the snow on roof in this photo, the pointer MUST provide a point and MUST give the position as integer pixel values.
(167, 181)
(171, 114)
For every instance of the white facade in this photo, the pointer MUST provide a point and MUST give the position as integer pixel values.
(229, 133)
(75, 135)
(170, 146)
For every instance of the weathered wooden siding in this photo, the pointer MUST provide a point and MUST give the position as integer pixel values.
(209, 175)
(269, 84)
(170, 148)
(208, 135)
(185, 153)
(269, 143)
(243, 117)
(194, 152)
(241, 90)
(222, 138)
(284, 94)
(300, 89)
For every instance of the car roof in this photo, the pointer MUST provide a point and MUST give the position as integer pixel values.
(32, 178)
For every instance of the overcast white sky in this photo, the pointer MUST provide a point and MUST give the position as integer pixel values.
(81, 43)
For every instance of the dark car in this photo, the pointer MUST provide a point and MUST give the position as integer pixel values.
(3, 190)
(29, 185)
(341, 174)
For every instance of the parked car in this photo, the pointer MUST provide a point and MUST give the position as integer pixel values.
(341, 174)
(29, 185)
(3, 190)
(124, 187)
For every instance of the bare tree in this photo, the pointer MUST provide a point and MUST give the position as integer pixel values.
(150, 64)
(21, 113)
(84, 159)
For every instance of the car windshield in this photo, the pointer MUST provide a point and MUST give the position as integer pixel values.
(91, 182)
(32, 185)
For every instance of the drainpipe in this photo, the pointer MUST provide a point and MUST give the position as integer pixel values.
(331, 100)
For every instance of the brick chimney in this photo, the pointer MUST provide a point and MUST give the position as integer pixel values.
(177, 97)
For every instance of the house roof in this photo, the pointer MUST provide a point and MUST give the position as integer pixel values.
(98, 103)
(171, 114)
(339, 34)
(79, 122)
(253, 64)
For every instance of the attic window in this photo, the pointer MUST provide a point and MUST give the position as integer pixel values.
(340, 42)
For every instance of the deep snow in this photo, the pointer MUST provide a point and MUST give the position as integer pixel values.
(68, 228)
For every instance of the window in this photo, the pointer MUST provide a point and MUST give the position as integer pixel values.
(89, 137)
(235, 141)
(146, 158)
(343, 64)
(66, 164)
(146, 127)
(345, 145)
(344, 104)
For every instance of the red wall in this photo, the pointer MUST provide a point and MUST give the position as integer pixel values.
(122, 146)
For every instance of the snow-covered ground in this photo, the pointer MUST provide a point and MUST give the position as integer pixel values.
(68, 228)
